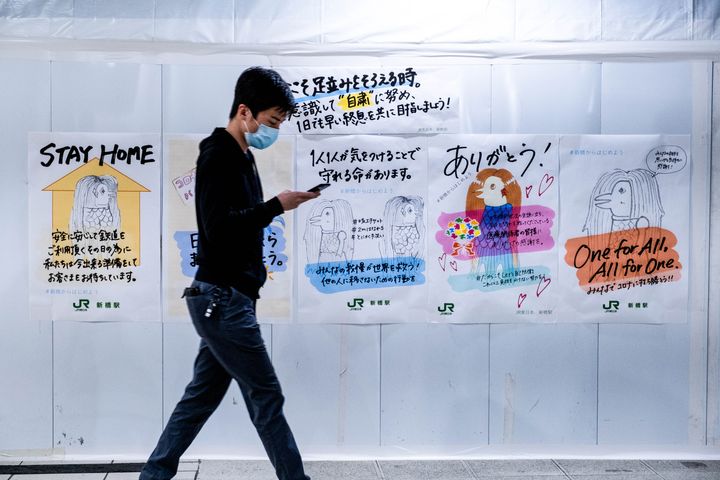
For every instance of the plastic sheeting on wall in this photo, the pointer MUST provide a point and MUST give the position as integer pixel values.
(390, 388)
(375, 21)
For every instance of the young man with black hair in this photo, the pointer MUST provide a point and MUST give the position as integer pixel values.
(231, 217)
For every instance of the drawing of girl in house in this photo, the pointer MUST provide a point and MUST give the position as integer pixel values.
(95, 208)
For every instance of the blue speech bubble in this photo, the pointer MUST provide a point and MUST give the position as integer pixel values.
(333, 277)
(187, 244)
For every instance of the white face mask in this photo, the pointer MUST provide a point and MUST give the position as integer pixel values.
(263, 138)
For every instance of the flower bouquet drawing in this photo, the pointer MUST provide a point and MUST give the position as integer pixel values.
(463, 231)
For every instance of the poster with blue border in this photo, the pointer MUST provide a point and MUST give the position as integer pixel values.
(361, 244)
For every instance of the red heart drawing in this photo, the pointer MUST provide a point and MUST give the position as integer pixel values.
(545, 183)
(544, 282)
(453, 265)
(528, 189)
(521, 299)
(442, 259)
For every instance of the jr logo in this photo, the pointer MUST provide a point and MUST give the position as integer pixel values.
(446, 309)
(357, 304)
(82, 305)
(611, 306)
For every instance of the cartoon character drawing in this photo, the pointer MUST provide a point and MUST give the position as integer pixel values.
(404, 227)
(624, 201)
(491, 198)
(327, 232)
(95, 208)
(95, 204)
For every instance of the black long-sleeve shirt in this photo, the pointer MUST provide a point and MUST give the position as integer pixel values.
(231, 215)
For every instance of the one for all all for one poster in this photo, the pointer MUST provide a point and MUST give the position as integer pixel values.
(625, 209)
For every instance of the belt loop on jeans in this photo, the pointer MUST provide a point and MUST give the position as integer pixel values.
(190, 292)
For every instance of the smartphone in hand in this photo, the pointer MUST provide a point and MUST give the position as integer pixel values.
(319, 187)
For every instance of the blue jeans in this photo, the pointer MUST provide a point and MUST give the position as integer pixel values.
(231, 348)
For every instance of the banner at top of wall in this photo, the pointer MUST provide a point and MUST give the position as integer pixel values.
(361, 100)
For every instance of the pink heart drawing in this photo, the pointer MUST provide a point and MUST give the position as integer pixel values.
(442, 260)
(453, 265)
(545, 183)
(544, 283)
(521, 299)
(528, 189)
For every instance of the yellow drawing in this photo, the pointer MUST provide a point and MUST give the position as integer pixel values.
(98, 209)
(353, 101)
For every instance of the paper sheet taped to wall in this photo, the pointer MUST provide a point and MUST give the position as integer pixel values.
(94, 229)
(404, 99)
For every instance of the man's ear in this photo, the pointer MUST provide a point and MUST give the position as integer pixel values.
(246, 112)
(243, 112)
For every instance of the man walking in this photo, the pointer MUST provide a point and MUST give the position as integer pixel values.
(231, 217)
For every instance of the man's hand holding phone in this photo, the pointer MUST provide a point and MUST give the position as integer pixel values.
(290, 200)
(319, 187)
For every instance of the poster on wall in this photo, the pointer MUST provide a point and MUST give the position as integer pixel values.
(275, 166)
(94, 232)
(492, 236)
(625, 235)
(361, 100)
(361, 244)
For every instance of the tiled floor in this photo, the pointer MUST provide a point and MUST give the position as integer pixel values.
(399, 470)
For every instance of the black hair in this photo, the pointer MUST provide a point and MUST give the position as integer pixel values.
(261, 88)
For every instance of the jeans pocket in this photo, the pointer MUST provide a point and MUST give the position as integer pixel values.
(238, 311)
(205, 300)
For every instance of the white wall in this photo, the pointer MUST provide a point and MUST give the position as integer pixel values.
(376, 21)
(86, 388)
(26, 366)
